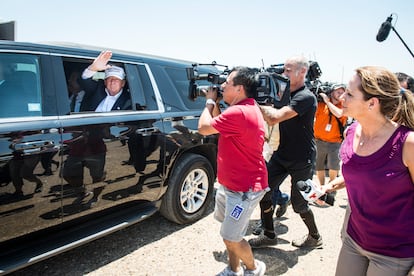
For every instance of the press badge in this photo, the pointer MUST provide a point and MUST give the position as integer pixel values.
(236, 212)
(328, 127)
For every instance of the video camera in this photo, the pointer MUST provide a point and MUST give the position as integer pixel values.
(312, 78)
(313, 82)
(311, 192)
(327, 88)
(196, 88)
(316, 86)
(319, 87)
(272, 88)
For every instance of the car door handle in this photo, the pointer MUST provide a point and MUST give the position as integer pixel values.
(32, 147)
(146, 131)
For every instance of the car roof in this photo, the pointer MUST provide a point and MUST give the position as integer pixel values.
(68, 48)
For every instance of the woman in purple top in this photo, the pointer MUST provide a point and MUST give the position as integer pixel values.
(378, 169)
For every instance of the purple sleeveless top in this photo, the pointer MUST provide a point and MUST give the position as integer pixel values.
(381, 196)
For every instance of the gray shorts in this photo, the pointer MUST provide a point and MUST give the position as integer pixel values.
(233, 210)
(327, 151)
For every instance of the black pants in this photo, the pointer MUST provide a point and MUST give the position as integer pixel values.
(278, 169)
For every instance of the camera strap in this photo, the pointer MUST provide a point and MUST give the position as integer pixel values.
(269, 133)
(267, 149)
(340, 125)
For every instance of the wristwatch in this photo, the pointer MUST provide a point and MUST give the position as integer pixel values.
(210, 101)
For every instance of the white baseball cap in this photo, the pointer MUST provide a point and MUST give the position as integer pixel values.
(115, 71)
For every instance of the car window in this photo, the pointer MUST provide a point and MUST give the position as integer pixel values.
(20, 89)
(147, 88)
(86, 95)
(178, 77)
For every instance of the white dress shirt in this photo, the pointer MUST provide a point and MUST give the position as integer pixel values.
(107, 103)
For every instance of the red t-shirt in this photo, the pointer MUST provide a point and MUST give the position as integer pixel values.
(240, 163)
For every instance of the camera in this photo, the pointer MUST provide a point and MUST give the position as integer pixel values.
(201, 82)
(326, 88)
(276, 68)
(272, 87)
(314, 71)
(313, 82)
(410, 84)
(318, 87)
(311, 192)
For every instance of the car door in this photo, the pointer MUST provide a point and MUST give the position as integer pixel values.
(111, 158)
(30, 141)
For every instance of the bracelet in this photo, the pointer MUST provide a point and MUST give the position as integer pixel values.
(211, 101)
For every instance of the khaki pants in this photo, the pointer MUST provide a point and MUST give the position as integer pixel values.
(355, 261)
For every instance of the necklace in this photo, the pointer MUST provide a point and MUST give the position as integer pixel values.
(362, 141)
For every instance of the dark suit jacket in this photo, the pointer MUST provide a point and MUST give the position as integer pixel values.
(95, 93)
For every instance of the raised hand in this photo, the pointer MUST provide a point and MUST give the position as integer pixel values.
(101, 62)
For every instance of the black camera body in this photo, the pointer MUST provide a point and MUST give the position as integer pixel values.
(319, 87)
(200, 90)
(196, 89)
(410, 84)
(272, 88)
(326, 87)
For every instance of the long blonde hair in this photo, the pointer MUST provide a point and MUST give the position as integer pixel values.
(396, 103)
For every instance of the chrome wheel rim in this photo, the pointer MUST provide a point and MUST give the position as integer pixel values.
(194, 191)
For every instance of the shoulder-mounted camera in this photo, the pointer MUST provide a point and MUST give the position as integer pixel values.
(272, 87)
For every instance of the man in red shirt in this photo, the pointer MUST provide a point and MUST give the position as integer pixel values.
(241, 168)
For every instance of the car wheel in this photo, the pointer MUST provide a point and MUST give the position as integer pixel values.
(189, 191)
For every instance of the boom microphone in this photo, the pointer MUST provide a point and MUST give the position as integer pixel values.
(384, 30)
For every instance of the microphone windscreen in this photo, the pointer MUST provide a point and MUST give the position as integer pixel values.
(384, 30)
(302, 185)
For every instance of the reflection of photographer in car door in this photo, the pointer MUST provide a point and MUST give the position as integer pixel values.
(328, 128)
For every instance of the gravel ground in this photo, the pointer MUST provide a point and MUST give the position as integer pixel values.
(159, 247)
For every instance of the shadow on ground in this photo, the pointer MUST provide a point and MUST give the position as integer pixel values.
(278, 261)
(93, 255)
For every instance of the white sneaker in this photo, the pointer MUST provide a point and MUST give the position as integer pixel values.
(259, 271)
(228, 272)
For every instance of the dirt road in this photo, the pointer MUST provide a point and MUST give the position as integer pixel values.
(159, 247)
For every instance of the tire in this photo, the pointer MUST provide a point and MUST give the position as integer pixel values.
(190, 189)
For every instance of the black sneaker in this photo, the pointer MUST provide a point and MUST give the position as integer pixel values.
(308, 242)
(281, 210)
(262, 241)
(38, 188)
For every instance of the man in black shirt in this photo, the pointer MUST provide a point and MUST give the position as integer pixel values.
(295, 155)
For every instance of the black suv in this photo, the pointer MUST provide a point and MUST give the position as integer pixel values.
(67, 177)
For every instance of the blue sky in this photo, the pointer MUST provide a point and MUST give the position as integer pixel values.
(339, 35)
